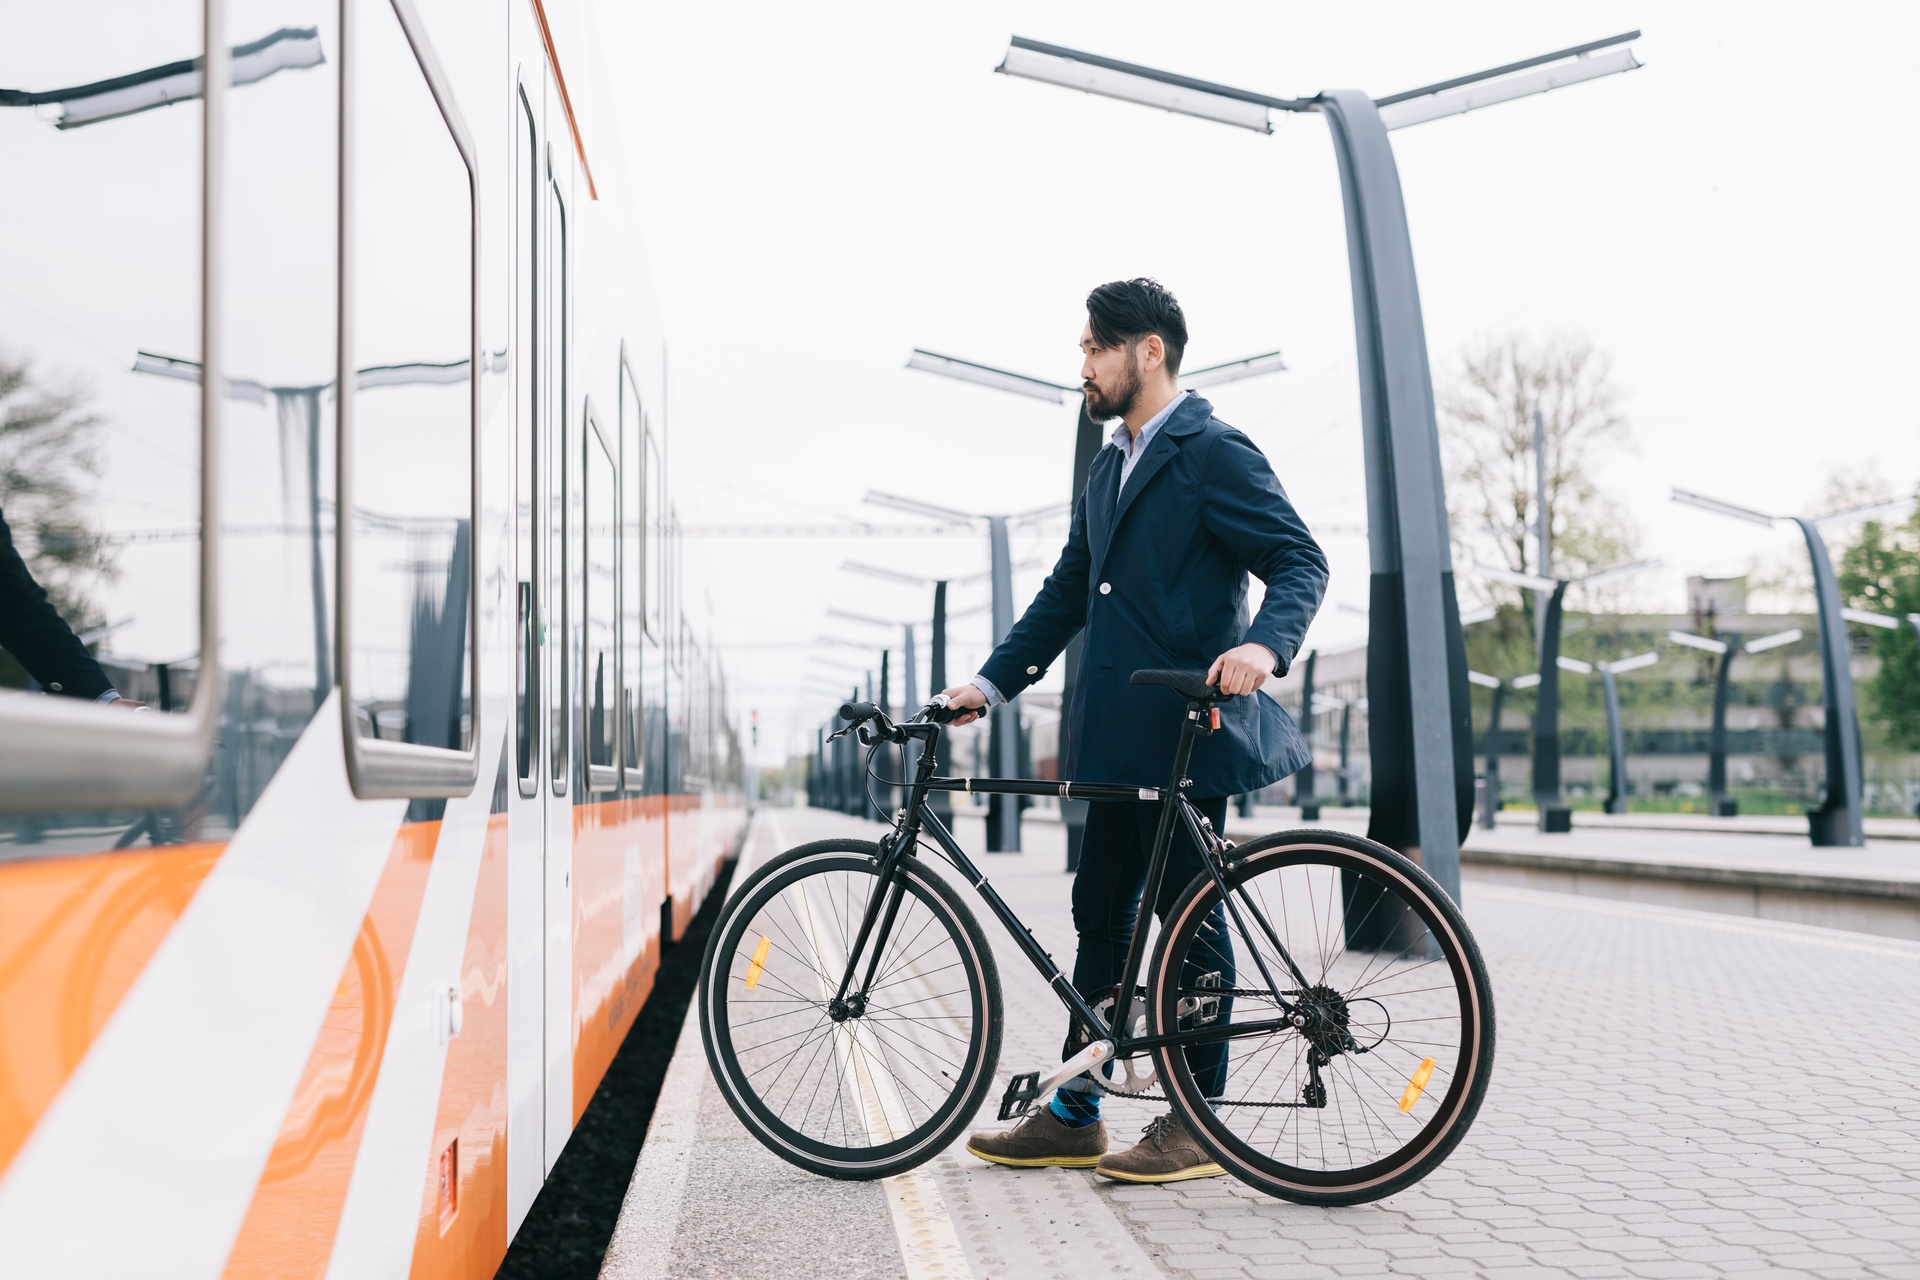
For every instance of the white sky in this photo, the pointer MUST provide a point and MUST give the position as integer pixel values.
(830, 186)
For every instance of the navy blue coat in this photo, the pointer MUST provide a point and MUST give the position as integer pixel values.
(1158, 577)
(33, 631)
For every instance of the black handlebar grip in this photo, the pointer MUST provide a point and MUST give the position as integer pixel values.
(857, 711)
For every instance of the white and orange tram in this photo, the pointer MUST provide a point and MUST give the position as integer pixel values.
(332, 417)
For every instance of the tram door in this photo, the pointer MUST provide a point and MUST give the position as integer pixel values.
(540, 910)
(564, 425)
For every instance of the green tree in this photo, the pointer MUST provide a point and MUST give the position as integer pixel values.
(49, 458)
(1881, 572)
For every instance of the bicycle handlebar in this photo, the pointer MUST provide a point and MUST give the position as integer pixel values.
(858, 711)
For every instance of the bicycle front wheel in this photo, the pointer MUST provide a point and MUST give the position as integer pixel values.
(1370, 1072)
(846, 1089)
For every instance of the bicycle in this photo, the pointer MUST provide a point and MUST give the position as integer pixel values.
(851, 1011)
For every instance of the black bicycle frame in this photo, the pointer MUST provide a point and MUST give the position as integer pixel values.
(918, 817)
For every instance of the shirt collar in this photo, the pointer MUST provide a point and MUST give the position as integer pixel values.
(1122, 437)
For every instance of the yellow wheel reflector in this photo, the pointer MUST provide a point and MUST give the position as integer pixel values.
(1415, 1086)
(766, 945)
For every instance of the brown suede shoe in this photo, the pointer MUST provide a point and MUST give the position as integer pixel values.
(1042, 1141)
(1167, 1153)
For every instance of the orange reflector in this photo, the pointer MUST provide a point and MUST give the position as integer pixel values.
(1215, 718)
(1417, 1085)
(760, 962)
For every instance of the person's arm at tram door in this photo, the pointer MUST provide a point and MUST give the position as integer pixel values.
(33, 631)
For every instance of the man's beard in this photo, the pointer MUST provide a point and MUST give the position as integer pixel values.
(1102, 408)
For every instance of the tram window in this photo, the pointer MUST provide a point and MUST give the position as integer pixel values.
(633, 551)
(562, 496)
(100, 370)
(655, 480)
(528, 474)
(599, 632)
(409, 423)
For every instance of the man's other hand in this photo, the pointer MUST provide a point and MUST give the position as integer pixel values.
(966, 696)
(1241, 670)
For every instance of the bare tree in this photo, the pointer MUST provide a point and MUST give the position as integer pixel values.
(1486, 424)
(49, 457)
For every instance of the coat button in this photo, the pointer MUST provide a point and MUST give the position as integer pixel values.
(1033, 671)
(1106, 588)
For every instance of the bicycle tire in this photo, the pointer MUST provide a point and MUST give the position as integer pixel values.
(1226, 1126)
(897, 1139)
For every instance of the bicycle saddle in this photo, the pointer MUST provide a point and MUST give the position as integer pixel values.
(1191, 685)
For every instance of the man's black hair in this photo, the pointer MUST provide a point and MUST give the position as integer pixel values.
(1124, 311)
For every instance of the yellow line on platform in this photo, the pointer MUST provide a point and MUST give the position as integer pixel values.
(929, 1241)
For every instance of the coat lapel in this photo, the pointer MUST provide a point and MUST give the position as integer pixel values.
(1103, 491)
(1187, 419)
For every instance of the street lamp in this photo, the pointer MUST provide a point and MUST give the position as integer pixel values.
(1554, 816)
(1838, 822)
(1420, 731)
(1003, 812)
(1719, 802)
(1616, 736)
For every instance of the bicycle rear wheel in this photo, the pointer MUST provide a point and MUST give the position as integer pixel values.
(1379, 1072)
(862, 1093)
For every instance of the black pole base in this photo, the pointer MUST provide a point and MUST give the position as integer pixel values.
(1556, 819)
(1830, 829)
(1489, 804)
(1728, 807)
(1616, 804)
(1309, 811)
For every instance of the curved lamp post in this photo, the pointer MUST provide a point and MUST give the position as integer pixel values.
(1721, 804)
(1555, 817)
(1616, 736)
(1420, 732)
(1837, 822)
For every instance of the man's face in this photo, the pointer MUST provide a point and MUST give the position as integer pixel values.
(1110, 376)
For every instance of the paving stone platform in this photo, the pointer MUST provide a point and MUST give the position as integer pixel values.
(1677, 1093)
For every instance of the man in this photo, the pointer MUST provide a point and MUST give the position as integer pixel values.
(33, 631)
(1178, 510)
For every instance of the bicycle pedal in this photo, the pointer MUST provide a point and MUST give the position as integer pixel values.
(1021, 1092)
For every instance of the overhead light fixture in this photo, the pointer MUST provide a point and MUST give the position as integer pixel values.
(1877, 511)
(848, 616)
(1109, 78)
(1436, 106)
(1496, 574)
(913, 506)
(1051, 511)
(1574, 665)
(1232, 371)
(1618, 572)
(1702, 643)
(987, 376)
(1484, 680)
(1634, 663)
(1526, 681)
(1687, 497)
(1485, 613)
(1773, 641)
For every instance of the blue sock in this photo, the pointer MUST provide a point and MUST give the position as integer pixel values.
(1074, 1109)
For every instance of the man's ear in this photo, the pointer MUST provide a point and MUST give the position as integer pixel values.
(1153, 354)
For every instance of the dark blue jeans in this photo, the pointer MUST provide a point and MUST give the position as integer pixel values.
(1106, 902)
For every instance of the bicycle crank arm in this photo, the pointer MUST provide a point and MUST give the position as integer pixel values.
(1027, 1089)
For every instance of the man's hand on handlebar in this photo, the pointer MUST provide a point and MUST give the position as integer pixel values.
(1241, 670)
(966, 697)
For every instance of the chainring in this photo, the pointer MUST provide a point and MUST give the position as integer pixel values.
(1127, 1077)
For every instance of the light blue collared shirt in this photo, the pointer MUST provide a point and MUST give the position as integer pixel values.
(1132, 448)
